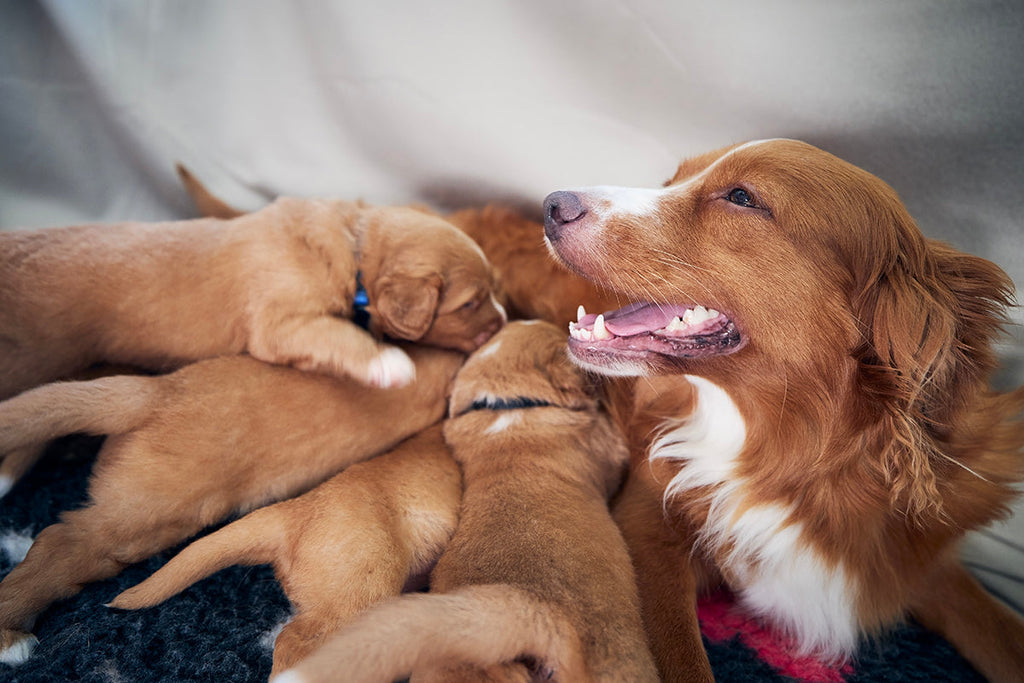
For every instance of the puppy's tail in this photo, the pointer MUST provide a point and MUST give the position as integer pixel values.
(206, 203)
(253, 539)
(109, 405)
(479, 625)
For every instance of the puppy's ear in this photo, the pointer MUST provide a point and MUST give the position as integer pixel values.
(405, 306)
(929, 315)
(571, 382)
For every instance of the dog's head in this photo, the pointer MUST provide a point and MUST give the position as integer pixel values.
(427, 281)
(524, 364)
(521, 388)
(776, 266)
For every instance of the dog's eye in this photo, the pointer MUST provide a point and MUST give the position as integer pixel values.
(470, 305)
(741, 197)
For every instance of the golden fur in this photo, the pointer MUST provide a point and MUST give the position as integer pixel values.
(853, 354)
(278, 284)
(187, 449)
(536, 568)
(534, 285)
(349, 543)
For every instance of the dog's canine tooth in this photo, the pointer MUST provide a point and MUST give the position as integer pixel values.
(600, 331)
(580, 312)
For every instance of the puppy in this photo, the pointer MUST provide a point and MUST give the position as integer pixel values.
(533, 285)
(278, 284)
(815, 373)
(351, 542)
(187, 449)
(536, 570)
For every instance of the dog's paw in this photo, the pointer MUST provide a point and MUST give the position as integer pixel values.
(391, 368)
(16, 646)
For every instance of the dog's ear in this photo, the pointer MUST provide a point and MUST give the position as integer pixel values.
(404, 306)
(929, 315)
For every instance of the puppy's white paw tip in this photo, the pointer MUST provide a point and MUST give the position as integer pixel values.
(19, 648)
(391, 368)
(288, 676)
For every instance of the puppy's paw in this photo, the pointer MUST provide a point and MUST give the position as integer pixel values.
(391, 368)
(16, 646)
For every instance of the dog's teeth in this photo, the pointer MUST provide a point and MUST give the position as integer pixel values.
(700, 314)
(581, 333)
(688, 316)
(712, 313)
(580, 312)
(675, 325)
(600, 331)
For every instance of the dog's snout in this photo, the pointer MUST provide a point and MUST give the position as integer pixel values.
(560, 209)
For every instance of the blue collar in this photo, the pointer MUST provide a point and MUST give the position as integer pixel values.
(360, 314)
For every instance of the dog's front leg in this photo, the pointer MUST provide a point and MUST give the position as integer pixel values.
(665, 578)
(333, 346)
(984, 631)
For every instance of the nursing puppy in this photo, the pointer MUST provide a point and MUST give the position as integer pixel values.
(815, 378)
(536, 572)
(278, 283)
(187, 449)
(349, 543)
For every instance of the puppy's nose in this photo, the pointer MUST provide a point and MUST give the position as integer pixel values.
(560, 209)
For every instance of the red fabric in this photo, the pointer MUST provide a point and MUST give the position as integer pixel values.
(721, 619)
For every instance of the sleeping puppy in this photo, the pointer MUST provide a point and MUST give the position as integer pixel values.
(278, 283)
(533, 285)
(536, 571)
(815, 374)
(187, 449)
(351, 542)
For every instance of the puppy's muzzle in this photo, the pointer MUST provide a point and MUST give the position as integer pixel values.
(560, 210)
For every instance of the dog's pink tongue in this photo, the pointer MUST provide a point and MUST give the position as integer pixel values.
(641, 317)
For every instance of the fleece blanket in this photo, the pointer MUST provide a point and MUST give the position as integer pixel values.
(223, 628)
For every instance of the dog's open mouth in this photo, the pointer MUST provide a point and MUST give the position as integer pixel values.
(641, 329)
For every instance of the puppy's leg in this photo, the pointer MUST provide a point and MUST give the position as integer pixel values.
(109, 405)
(985, 632)
(341, 582)
(480, 625)
(16, 463)
(332, 346)
(90, 544)
(512, 672)
(666, 580)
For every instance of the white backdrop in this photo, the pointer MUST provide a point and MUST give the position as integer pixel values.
(463, 101)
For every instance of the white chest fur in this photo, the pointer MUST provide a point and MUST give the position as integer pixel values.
(773, 571)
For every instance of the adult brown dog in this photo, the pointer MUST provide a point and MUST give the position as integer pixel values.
(278, 283)
(815, 378)
(536, 568)
(187, 449)
(349, 543)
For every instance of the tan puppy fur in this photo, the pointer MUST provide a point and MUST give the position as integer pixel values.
(186, 450)
(351, 542)
(278, 284)
(534, 285)
(537, 571)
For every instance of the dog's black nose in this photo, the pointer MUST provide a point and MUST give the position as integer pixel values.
(560, 209)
